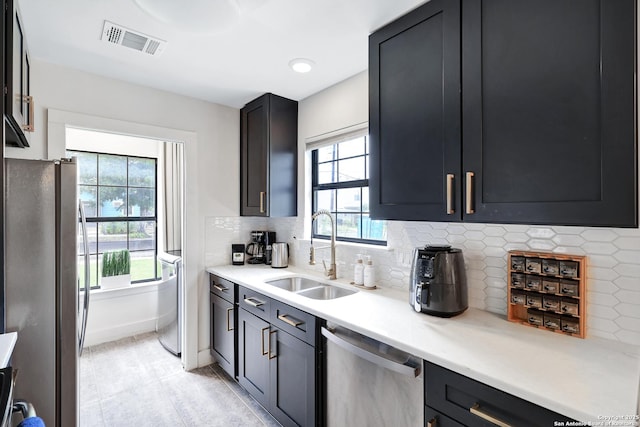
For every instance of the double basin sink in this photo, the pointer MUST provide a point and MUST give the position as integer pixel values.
(310, 288)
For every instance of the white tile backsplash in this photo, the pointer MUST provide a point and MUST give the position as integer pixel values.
(613, 263)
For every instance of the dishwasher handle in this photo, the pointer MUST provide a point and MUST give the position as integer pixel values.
(378, 359)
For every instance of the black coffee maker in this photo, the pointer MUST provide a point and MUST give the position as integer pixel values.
(438, 281)
(259, 249)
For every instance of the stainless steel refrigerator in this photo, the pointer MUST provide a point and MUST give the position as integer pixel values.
(42, 229)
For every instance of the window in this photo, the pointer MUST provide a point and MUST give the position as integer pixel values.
(340, 184)
(119, 197)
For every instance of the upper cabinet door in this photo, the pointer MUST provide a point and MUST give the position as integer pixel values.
(414, 115)
(549, 111)
(254, 135)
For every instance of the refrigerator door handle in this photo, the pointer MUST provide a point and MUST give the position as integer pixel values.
(87, 277)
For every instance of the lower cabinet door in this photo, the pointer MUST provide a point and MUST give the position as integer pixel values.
(293, 382)
(253, 356)
(222, 333)
(433, 418)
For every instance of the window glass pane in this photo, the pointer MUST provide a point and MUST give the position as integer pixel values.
(112, 201)
(326, 154)
(366, 166)
(373, 229)
(354, 147)
(112, 236)
(89, 197)
(142, 202)
(348, 225)
(87, 167)
(93, 271)
(142, 235)
(349, 200)
(326, 199)
(351, 169)
(365, 199)
(92, 237)
(142, 172)
(323, 225)
(143, 265)
(327, 172)
(112, 170)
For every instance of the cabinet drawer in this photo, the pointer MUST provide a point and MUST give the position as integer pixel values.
(222, 287)
(254, 302)
(455, 395)
(298, 323)
(433, 418)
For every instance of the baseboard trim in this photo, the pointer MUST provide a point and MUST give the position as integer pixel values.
(119, 332)
(204, 358)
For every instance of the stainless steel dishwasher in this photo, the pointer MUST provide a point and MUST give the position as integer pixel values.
(370, 383)
(169, 321)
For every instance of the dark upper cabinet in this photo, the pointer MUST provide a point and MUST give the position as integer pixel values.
(414, 113)
(538, 128)
(18, 102)
(269, 157)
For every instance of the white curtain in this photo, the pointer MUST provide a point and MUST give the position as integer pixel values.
(173, 189)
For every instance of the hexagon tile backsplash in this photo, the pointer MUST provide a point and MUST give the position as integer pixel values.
(613, 260)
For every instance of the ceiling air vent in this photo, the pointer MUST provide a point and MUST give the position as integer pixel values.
(119, 35)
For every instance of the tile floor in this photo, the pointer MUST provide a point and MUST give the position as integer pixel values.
(136, 382)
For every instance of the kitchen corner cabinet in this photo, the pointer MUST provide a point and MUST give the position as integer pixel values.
(497, 111)
(18, 102)
(223, 323)
(453, 400)
(278, 361)
(269, 157)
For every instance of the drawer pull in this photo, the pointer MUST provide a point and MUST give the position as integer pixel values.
(450, 209)
(469, 204)
(288, 321)
(229, 327)
(254, 302)
(433, 422)
(272, 356)
(475, 410)
(264, 353)
(220, 287)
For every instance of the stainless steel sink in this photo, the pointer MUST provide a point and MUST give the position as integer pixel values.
(326, 292)
(310, 288)
(294, 284)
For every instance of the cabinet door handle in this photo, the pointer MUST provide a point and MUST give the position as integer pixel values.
(450, 209)
(254, 302)
(433, 422)
(262, 196)
(29, 127)
(475, 410)
(288, 321)
(469, 204)
(272, 356)
(220, 287)
(264, 353)
(229, 327)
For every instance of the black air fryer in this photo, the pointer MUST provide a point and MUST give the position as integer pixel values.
(438, 281)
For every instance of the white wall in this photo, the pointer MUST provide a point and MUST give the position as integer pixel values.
(211, 158)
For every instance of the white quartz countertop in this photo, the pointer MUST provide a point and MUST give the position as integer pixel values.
(583, 379)
(7, 343)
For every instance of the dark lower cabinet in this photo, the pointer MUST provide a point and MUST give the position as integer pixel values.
(502, 111)
(222, 333)
(452, 399)
(278, 358)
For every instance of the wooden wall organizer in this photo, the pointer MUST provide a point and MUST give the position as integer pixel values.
(547, 291)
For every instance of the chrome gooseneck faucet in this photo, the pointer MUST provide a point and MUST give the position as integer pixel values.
(331, 272)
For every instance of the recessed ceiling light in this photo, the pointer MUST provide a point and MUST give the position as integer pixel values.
(301, 65)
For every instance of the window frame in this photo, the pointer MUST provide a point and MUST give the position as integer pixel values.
(126, 219)
(359, 183)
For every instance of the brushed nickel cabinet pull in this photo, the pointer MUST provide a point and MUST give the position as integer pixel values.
(294, 323)
(220, 287)
(433, 422)
(262, 195)
(264, 353)
(272, 356)
(29, 127)
(469, 201)
(254, 302)
(229, 327)
(450, 209)
(475, 410)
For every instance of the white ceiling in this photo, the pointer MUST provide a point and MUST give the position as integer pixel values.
(230, 65)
